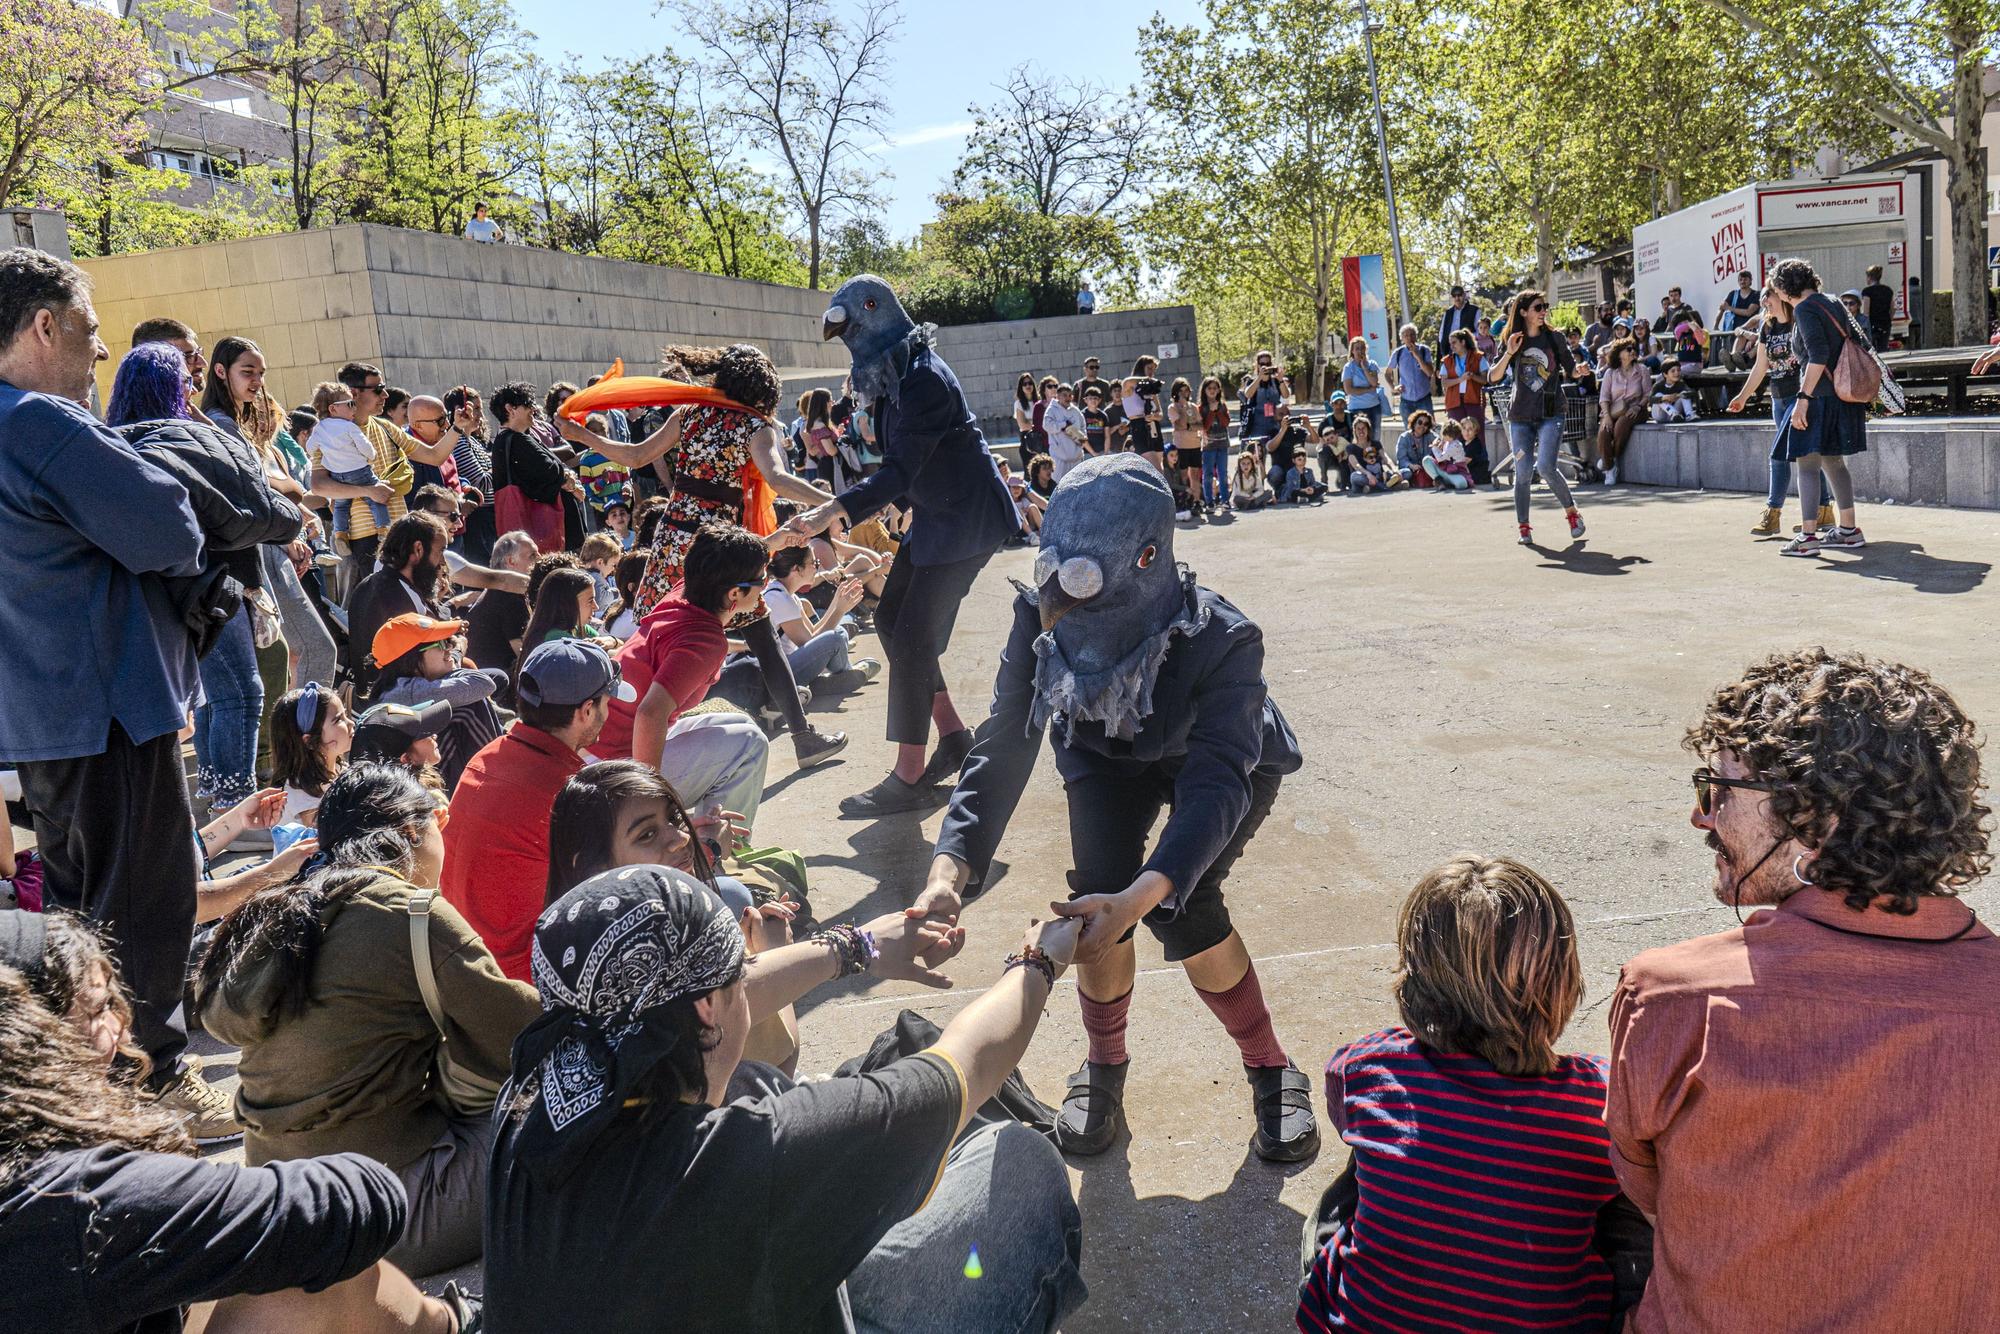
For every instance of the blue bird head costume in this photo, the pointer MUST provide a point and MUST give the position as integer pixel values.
(878, 332)
(1110, 595)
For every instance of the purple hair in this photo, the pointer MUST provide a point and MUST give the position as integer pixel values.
(151, 385)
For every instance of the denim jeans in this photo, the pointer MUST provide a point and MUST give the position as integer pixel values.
(1781, 469)
(342, 508)
(1421, 403)
(225, 725)
(1535, 448)
(1214, 474)
(1005, 1191)
(824, 652)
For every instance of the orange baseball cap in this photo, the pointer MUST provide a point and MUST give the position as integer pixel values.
(400, 634)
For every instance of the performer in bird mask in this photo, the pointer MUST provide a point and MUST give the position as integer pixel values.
(1154, 689)
(934, 459)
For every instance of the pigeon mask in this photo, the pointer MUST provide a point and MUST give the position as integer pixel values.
(880, 335)
(1109, 593)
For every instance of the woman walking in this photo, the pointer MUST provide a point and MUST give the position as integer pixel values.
(1777, 357)
(721, 456)
(1213, 416)
(1539, 359)
(1621, 401)
(1823, 428)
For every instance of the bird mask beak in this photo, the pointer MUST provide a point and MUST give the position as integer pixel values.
(832, 324)
(1069, 585)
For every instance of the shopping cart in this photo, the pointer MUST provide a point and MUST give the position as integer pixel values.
(1573, 459)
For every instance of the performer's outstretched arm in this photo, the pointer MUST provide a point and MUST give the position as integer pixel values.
(992, 778)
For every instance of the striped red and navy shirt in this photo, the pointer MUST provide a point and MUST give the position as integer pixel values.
(1479, 1195)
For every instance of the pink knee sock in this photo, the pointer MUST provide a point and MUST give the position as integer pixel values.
(1104, 1021)
(1242, 1011)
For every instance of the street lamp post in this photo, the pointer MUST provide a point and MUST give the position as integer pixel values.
(1382, 144)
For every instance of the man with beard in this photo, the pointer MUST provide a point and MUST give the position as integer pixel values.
(1154, 689)
(412, 561)
(1826, 1069)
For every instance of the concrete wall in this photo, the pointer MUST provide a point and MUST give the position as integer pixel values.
(989, 357)
(435, 311)
(1919, 460)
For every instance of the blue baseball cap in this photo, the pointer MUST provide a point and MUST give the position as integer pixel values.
(570, 672)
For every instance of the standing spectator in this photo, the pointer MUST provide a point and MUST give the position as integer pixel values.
(482, 228)
(496, 848)
(1464, 374)
(1361, 378)
(1142, 411)
(1535, 411)
(1265, 410)
(349, 456)
(1212, 414)
(1754, 1074)
(1739, 306)
(1879, 300)
(390, 466)
(1026, 396)
(1603, 329)
(1096, 425)
(1086, 300)
(95, 534)
(1460, 314)
(1063, 429)
(181, 338)
(521, 459)
(1412, 373)
(428, 422)
(1090, 380)
(1622, 400)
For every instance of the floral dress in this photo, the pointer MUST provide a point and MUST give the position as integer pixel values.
(714, 451)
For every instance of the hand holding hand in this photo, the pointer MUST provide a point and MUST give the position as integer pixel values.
(1105, 918)
(1057, 938)
(380, 494)
(771, 925)
(910, 948)
(287, 863)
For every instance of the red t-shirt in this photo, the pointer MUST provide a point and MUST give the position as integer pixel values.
(678, 645)
(496, 845)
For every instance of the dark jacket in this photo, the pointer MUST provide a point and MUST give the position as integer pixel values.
(233, 502)
(1213, 724)
(935, 460)
(1454, 320)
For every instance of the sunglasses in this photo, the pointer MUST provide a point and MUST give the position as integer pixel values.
(1707, 798)
(1539, 305)
(748, 584)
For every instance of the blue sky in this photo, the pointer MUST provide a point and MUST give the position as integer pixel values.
(950, 54)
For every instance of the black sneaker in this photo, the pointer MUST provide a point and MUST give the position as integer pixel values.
(950, 753)
(813, 746)
(892, 796)
(1093, 1109)
(468, 1310)
(1281, 1100)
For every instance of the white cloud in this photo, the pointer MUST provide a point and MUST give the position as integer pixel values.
(928, 134)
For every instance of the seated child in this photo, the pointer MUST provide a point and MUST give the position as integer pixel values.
(1673, 399)
(599, 554)
(1370, 475)
(417, 663)
(1447, 463)
(1480, 1158)
(345, 452)
(311, 732)
(1300, 486)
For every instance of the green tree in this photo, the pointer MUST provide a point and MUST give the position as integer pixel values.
(1863, 75)
(74, 85)
(809, 83)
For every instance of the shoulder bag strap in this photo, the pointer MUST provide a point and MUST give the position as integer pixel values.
(420, 954)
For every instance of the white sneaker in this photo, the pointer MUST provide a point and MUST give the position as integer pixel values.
(1611, 476)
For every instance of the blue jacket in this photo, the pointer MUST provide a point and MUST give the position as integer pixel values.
(1213, 724)
(934, 459)
(91, 637)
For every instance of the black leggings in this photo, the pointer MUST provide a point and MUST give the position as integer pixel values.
(914, 619)
(779, 683)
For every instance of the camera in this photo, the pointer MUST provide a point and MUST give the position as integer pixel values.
(842, 412)
(1150, 386)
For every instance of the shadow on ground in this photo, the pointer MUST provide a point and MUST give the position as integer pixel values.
(1908, 563)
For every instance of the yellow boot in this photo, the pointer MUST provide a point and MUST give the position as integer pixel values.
(1768, 525)
(1825, 520)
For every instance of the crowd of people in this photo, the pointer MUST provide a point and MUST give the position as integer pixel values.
(517, 985)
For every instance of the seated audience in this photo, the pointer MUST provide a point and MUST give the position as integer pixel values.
(216, 895)
(716, 761)
(1480, 1159)
(1825, 1070)
(1298, 486)
(131, 1232)
(407, 580)
(1248, 489)
(817, 644)
(599, 554)
(1449, 463)
(563, 606)
(496, 862)
(812, 1207)
(1413, 450)
(319, 984)
(402, 734)
(621, 622)
(1673, 399)
(1369, 475)
(494, 626)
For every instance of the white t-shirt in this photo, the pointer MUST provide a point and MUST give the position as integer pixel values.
(783, 605)
(342, 445)
(482, 229)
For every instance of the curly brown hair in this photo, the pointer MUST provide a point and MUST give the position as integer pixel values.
(1875, 767)
(740, 370)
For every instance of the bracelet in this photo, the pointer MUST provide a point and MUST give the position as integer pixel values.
(853, 949)
(1033, 956)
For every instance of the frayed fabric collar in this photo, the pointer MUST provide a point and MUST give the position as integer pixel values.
(1121, 695)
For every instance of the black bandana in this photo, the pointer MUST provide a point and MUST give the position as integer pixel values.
(620, 944)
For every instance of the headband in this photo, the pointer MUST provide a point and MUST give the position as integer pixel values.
(307, 708)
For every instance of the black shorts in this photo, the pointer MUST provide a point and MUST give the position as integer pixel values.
(1110, 819)
(1184, 457)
